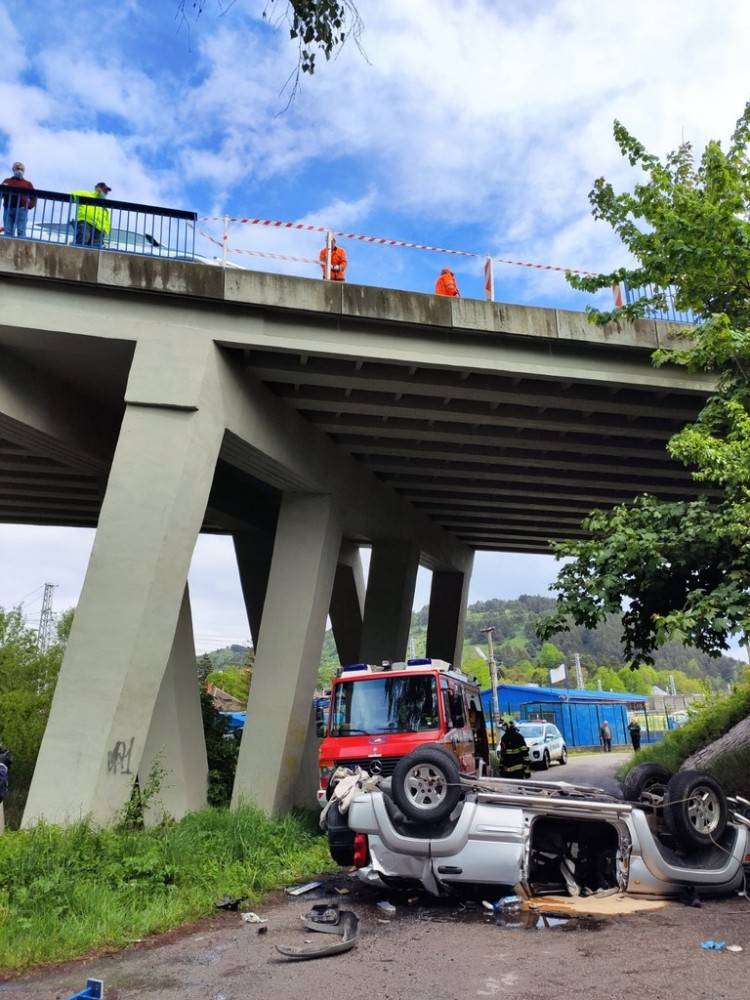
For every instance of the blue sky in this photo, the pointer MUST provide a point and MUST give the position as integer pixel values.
(477, 125)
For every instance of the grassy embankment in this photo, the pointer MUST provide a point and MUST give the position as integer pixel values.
(64, 892)
(708, 724)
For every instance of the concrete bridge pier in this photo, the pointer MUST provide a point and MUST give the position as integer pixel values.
(388, 603)
(449, 596)
(348, 603)
(125, 624)
(303, 566)
(175, 745)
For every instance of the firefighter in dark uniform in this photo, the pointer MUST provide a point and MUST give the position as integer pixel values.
(514, 754)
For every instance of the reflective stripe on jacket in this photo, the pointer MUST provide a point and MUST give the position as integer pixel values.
(96, 215)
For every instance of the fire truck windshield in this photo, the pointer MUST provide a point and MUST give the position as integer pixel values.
(404, 704)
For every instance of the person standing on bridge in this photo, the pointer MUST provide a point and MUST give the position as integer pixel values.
(16, 205)
(338, 261)
(446, 284)
(92, 222)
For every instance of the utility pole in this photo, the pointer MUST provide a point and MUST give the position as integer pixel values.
(44, 635)
(579, 672)
(672, 686)
(489, 631)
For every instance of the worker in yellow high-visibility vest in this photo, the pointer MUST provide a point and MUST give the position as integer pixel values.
(92, 221)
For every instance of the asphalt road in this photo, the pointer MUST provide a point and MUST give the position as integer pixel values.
(596, 769)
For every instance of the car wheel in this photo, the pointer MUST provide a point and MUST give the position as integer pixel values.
(651, 778)
(340, 837)
(544, 763)
(695, 809)
(426, 785)
(564, 755)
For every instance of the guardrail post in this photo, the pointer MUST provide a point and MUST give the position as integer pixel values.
(225, 242)
(329, 250)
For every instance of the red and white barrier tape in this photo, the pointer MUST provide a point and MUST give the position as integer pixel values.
(383, 241)
(260, 253)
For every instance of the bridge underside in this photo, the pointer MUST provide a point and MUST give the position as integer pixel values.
(502, 462)
(154, 400)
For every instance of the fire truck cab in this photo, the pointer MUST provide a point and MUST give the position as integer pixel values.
(379, 714)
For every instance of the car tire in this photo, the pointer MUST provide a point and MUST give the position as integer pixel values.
(642, 778)
(564, 756)
(340, 837)
(695, 809)
(544, 762)
(426, 785)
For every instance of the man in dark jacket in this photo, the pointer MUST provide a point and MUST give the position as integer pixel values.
(16, 205)
(514, 754)
(634, 728)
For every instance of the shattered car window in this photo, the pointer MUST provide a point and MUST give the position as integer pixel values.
(385, 705)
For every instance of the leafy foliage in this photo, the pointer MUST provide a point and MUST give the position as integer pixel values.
(222, 749)
(712, 720)
(682, 569)
(27, 683)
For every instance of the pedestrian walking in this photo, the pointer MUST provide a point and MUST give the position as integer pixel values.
(338, 261)
(92, 221)
(605, 734)
(514, 753)
(446, 285)
(16, 203)
(634, 728)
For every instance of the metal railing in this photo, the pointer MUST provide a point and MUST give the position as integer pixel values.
(670, 313)
(98, 223)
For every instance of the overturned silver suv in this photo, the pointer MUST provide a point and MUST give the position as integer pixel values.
(428, 825)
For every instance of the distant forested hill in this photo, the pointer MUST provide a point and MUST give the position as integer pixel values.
(527, 660)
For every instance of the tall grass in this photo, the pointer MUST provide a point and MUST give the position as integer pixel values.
(708, 724)
(66, 891)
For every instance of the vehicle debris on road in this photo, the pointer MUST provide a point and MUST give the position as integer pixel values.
(300, 890)
(386, 907)
(327, 919)
(253, 918)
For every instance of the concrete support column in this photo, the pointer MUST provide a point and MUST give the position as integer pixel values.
(445, 623)
(175, 742)
(389, 600)
(303, 566)
(126, 620)
(254, 550)
(348, 603)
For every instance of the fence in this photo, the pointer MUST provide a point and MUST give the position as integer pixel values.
(99, 224)
(669, 313)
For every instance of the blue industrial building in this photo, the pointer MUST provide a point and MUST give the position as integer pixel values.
(577, 714)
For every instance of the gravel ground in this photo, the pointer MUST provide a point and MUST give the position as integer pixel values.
(426, 952)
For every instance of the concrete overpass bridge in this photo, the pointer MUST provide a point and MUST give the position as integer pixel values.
(155, 399)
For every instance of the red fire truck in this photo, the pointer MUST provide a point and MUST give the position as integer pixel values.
(378, 714)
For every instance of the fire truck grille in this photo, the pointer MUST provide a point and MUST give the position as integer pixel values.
(384, 766)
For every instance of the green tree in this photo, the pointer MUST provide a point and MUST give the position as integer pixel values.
(680, 569)
(204, 667)
(27, 683)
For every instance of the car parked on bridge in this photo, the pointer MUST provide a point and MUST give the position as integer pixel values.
(379, 714)
(427, 826)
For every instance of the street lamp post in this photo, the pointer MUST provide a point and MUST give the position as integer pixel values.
(489, 631)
